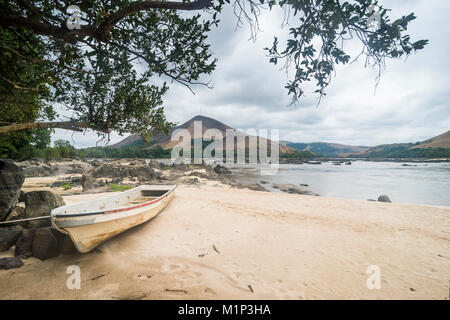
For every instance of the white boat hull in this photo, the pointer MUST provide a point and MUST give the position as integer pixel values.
(88, 230)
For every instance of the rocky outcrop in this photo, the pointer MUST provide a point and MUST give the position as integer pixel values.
(87, 182)
(40, 203)
(290, 188)
(384, 198)
(8, 238)
(219, 169)
(11, 180)
(23, 247)
(73, 167)
(34, 168)
(254, 186)
(45, 244)
(10, 263)
(118, 171)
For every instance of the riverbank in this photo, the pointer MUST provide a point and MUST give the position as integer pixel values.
(218, 242)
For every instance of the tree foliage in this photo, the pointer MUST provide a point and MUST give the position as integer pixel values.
(113, 71)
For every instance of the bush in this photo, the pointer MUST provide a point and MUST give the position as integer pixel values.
(67, 186)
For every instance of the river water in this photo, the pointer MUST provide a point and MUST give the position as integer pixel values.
(417, 183)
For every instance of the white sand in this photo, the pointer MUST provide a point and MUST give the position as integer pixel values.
(213, 242)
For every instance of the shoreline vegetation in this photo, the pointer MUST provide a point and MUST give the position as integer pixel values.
(63, 150)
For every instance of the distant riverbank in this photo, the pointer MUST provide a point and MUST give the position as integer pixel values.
(343, 160)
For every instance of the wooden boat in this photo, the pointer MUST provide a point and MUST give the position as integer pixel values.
(93, 222)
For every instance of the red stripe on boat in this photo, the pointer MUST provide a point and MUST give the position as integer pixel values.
(136, 206)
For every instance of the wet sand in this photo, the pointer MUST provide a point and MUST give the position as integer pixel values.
(216, 242)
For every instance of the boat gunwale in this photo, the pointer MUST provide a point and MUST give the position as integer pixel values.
(144, 204)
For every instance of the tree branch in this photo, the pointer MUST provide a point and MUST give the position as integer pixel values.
(15, 86)
(145, 5)
(102, 32)
(67, 125)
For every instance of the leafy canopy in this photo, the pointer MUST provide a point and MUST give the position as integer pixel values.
(113, 72)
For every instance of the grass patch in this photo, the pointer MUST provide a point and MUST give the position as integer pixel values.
(66, 186)
(114, 187)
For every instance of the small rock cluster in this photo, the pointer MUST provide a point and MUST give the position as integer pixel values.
(31, 238)
(290, 188)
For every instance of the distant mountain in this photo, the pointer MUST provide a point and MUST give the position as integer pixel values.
(165, 142)
(384, 150)
(437, 147)
(127, 141)
(327, 149)
(441, 141)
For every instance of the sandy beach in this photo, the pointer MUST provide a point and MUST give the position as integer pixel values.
(216, 242)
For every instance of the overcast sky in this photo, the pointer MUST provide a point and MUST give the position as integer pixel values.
(411, 102)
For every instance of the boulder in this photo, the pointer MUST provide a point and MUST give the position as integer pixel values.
(11, 180)
(24, 246)
(45, 244)
(119, 180)
(76, 167)
(255, 186)
(66, 246)
(219, 169)
(10, 263)
(106, 170)
(290, 188)
(117, 171)
(209, 170)
(22, 196)
(87, 182)
(8, 238)
(38, 169)
(16, 214)
(384, 198)
(162, 166)
(40, 203)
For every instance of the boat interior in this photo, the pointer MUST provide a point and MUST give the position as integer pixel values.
(120, 200)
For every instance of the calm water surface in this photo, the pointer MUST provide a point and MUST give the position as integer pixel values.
(420, 183)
